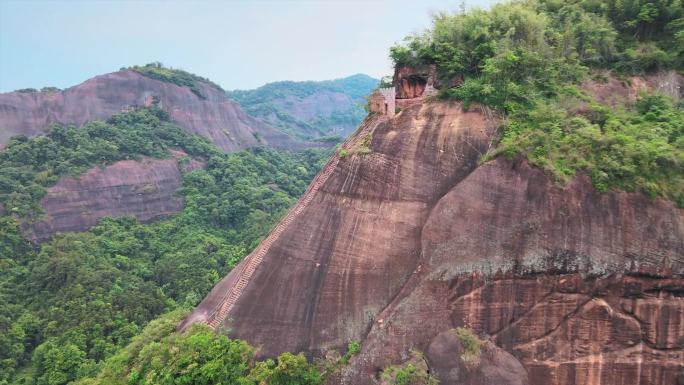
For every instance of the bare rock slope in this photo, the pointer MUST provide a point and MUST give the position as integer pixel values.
(144, 189)
(215, 116)
(400, 245)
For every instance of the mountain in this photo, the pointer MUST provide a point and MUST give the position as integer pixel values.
(310, 110)
(142, 187)
(517, 219)
(416, 237)
(196, 105)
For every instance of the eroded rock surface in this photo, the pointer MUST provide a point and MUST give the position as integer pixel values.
(417, 238)
(348, 253)
(215, 116)
(144, 189)
(491, 365)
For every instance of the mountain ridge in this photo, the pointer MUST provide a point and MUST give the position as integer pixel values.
(215, 116)
(313, 110)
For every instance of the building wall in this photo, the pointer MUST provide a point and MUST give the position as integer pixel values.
(382, 101)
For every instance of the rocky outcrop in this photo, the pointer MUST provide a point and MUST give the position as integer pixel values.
(412, 237)
(489, 365)
(215, 116)
(409, 82)
(144, 189)
(611, 91)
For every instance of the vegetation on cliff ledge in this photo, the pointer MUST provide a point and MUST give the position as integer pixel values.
(528, 59)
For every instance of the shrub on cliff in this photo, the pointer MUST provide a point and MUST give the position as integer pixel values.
(527, 59)
(199, 356)
(472, 346)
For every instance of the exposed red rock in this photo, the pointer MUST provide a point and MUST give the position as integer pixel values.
(416, 238)
(143, 189)
(611, 91)
(410, 82)
(490, 366)
(216, 117)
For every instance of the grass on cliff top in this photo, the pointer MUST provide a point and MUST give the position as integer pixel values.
(527, 59)
(175, 76)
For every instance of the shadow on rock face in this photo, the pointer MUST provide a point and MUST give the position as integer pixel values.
(453, 362)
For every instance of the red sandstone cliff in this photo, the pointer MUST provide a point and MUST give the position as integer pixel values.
(216, 117)
(398, 247)
(144, 189)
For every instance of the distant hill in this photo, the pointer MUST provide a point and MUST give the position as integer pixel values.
(193, 102)
(310, 110)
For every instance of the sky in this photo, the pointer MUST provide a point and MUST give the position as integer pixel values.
(237, 44)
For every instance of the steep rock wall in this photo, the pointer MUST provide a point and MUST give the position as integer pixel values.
(347, 254)
(216, 117)
(415, 239)
(581, 287)
(143, 189)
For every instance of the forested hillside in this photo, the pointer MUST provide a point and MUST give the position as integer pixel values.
(326, 110)
(68, 304)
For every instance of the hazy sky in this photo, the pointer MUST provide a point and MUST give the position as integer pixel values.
(238, 44)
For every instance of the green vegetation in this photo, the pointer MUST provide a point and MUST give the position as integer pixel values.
(472, 346)
(70, 303)
(635, 148)
(363, 146)
(528, 59)
(178, 77)
(28, 166)
(281, 104)
(198, 356)
(413, 372)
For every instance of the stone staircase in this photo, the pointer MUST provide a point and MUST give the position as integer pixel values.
(253, 260)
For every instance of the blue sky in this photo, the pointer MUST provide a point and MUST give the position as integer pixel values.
(238, 44)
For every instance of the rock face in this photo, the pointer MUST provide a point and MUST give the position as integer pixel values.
(416, 238)
(611, 91)
(216, 117)
(491, 366)
(143, 189)
(410, 82)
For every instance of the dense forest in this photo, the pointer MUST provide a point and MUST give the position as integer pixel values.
(70, 303)
(529, 59)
